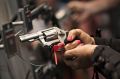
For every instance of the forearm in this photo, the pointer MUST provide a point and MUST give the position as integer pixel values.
(107, 62)
(102, 5)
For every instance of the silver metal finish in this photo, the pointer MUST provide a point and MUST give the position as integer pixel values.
(46, 37)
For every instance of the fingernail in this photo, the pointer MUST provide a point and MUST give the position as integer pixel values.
(78, 41)
(69, 38)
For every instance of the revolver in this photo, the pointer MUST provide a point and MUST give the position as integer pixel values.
(48, 37)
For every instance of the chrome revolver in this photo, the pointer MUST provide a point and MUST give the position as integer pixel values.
(48, 36)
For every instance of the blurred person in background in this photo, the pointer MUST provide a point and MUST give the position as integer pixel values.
(90, 9)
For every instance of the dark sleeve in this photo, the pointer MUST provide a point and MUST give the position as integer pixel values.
(113, 43)
(107, 62)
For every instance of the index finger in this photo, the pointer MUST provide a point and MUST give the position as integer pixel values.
(73, 33)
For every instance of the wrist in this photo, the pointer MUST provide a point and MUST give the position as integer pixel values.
(91, 52)
(96, 7)
(93, 47)
(93, 40)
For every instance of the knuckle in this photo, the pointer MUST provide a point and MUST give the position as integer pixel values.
(72, 31)
(67, 47)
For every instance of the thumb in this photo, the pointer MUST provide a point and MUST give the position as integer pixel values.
(70, 53)
(73, 33)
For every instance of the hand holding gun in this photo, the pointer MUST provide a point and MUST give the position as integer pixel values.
(49, 37)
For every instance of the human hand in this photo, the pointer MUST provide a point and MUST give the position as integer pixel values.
(85, 48)
(81, 51)
(82, 54)
(84, 37)
(89, 9)
(83, 12)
